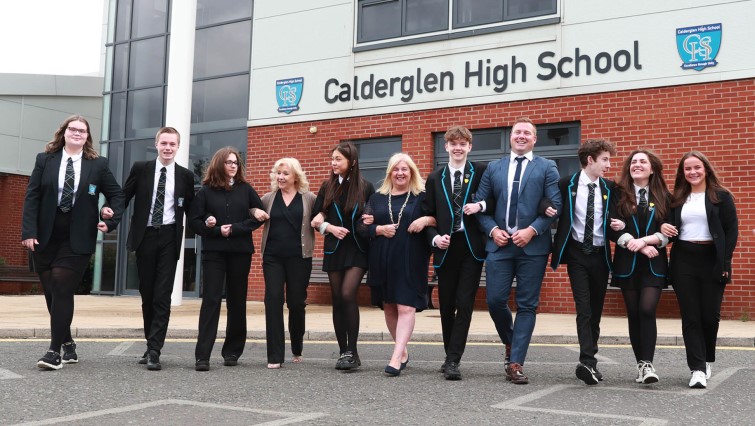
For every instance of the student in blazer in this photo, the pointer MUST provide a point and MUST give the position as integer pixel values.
(157, 239)
(640, 264)
(582, 244)
(60, 224)
(458, 243)
(705, 230)
(520, 239)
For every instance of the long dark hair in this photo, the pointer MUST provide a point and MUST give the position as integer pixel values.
(682, 188)
(215, 176)
(354, 186)
(658, 190)
(59, 139)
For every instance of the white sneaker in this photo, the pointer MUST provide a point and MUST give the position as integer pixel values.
(697, 381)
(707, 370)
(648, 373)
(640, 365)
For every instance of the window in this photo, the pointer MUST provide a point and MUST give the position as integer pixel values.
(558, 142)
(384, 19)
(374, 155)
(396, 21)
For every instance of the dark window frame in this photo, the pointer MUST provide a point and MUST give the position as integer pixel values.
(453, 29)
(376, 163)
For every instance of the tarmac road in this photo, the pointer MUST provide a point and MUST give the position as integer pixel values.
(109, 387)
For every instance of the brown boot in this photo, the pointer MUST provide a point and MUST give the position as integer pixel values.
(516, 375)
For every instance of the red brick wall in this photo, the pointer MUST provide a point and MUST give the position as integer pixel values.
(715, 118)
(12, 191)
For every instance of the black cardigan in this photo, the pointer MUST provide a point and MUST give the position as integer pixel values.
(228, 207)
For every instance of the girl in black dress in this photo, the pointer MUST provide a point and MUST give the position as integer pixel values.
(639, 264)
(60, 224)
(220, 215)
(399, 252)
(339, 205)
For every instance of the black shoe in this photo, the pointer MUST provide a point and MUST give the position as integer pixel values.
(51, 361)
(231, 360)
(202, 365)
(598, 374)
(443, 367)
(452, 371)
(69, 353)
(153, 361)
(585, 373)
(348, 361)
(143, 359)
(405, 363)
(392, 372)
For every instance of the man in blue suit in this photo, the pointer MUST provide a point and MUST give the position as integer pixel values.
(520, 239)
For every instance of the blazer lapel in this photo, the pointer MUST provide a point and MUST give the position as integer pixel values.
(572, 190)
(527, 172)
(86, 169)
(445, 182)
(150, 181)
(54, 168)
(466, 183)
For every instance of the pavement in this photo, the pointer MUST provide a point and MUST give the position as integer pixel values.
(120, 317)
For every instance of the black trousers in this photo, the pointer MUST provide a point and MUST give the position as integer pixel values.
(458, 281)
(156, 265)
(700, 295)
(229, 271)
(289, 275)
(588, 274)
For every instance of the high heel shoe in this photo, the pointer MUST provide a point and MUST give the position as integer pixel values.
(405, 363)
(392, 372)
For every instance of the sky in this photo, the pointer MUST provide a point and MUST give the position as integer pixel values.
(61, 37)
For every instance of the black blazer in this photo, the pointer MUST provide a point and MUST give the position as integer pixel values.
(724, 228)
(624, 261)
(438, 203)
(41, 202)
(337, 216)
(140, 184)
(568, 188)
(228, 207)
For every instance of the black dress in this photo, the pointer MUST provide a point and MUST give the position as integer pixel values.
(398, 265)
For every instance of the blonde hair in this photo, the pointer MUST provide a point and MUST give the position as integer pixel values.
(416, 183)
(300, 179)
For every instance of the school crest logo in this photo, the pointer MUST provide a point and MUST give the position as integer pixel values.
(698, 46)
(288, 93)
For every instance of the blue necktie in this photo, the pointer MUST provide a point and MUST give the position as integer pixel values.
(514, 197)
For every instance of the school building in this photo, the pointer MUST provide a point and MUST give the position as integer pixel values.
(282, 79)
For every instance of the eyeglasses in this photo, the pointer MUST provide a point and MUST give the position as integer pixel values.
(231, 163)
(74, 131)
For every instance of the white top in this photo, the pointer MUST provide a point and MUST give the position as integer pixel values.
(512, 171)
(62, 174)
(694, 220)
(580, 211)
(169, 205)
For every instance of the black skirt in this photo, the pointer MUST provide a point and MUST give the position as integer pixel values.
(58, 252)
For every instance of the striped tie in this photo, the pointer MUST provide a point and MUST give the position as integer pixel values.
(66, 200)
(157, 211)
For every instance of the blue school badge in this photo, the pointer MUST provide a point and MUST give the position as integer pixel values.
(698, 46)
(180, 201)
(92, 189)
(288, 93)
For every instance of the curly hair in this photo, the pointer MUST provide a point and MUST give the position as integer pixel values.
(59, 139)
(300, 179)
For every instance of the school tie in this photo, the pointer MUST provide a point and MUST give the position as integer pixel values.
(157, 210)
(643, 203)
(66, 200)
(514, 198)
(587, 245)
(457, 201)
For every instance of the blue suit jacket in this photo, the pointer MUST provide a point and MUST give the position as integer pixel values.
(540, 180)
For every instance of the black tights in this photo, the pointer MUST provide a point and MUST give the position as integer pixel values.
(59, 285)
(343, 288)
(641, 307)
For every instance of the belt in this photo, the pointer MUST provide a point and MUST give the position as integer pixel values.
(699, 242)
(157, 227)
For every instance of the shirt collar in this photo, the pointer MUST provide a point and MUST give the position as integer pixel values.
(637, 190)
(168, 169)
(584, 179)
(528, 156)
(74, 158)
